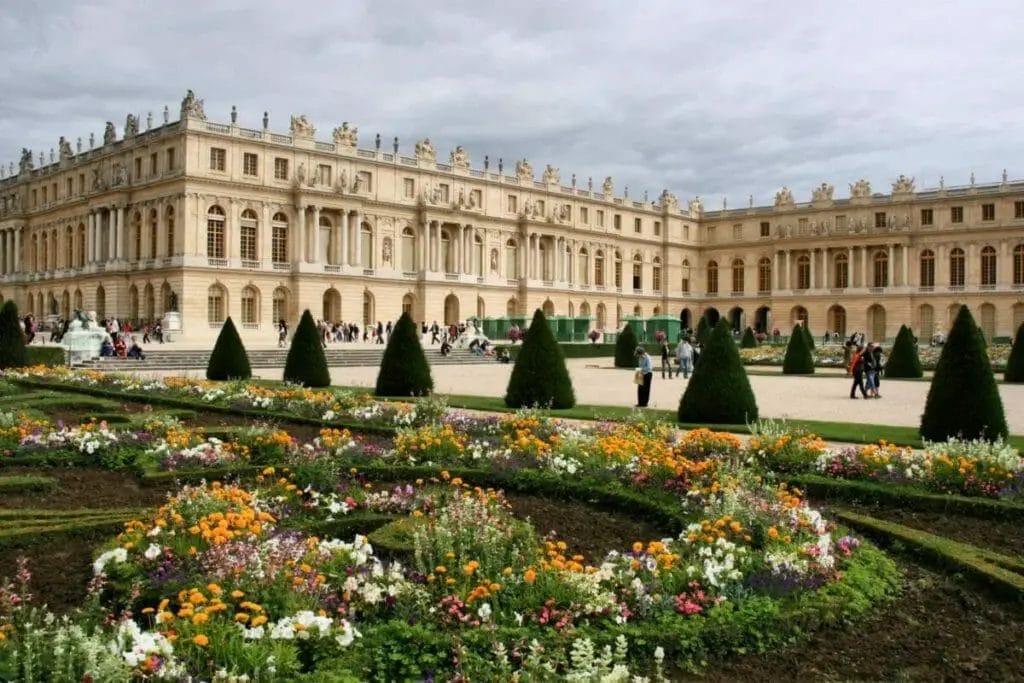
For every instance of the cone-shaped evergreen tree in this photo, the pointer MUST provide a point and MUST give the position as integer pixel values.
(903, 360)
(229, 359)
(625, 347)
(404, 370)
(13, 353)
(749, 341)
(306, 364)
(963, 400)
(703, 330)
(798, 360)
(718, 391)
(1015, 363)
(808, 337)
(540, 377)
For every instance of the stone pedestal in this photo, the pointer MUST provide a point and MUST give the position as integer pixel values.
(83, 342)
(171, 325)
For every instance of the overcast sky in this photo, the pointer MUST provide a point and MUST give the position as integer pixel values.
(718, 99)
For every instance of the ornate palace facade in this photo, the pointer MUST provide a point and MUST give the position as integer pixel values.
(217, 219)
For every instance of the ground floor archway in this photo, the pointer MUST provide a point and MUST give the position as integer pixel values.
(712, 315)
(548, 308)
(332, 305)
(451, 310)
(369, 309)
(837, 320)
(686, 319)
(876, 323)
(737, 318)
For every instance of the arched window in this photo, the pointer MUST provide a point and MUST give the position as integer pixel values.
(512, 307)
(988, 266)
(656, 274)
(54, 252)
(684, 284)
(248, 229)
(407, 303)
(250, 305)
(149, 303)
(618, 269)
(408, 250)
(1018, 264)
(170, 231)
(738, 275)
(881, 270)
(216, 304)
(81, 247)
(511, 260)
(133, 303)
(803, 272)
(712, 277)
(279, 238)
(927, 271)
(215, 233)
(137, 236)
(599, 268)
(101, 303)
(280, 311)
(638, 281)
(841, 279)
(764, 275)
(583, 259)
(956, 267)
(366, 235)
(153, 233)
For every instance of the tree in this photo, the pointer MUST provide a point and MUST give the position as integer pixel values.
(404, 370)
(1015, 363)
(306, 364)
(749, 341)
(13, 353)
(963, 400)
(540, 377)
(903, 360)
(703, 330)
(718, 391)
(808, 337)
(228, 359)
(625, 348)
(798, 360)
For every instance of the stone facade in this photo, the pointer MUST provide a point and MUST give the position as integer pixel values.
(217, 220)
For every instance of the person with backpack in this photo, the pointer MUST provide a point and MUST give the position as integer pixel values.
(878, 361)
(856, 369)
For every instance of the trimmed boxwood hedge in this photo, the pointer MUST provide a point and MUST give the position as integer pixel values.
(306, 363)
(798, 360)
(12, 338)
(749, 341)
(625, 348)
(1015, 363)
(404, 370)
(903, 360)
(718, 391)
(539, 376)
(228, 359)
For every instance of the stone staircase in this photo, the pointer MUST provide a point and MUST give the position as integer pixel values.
(337, 356)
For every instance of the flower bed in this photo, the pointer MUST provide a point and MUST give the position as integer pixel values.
(833, 355)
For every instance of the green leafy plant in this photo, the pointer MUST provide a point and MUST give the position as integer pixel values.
(12, 339)
(719, 391)
(748, 341)
(228, 359)
(798, 360)
(404, 370)
(903, 359)
(306, 363)
(539, 377)
(625, 347)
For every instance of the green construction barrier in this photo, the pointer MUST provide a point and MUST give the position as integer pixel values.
(668, 324)
(564, 333)
(580, 328)
(638, 324)
(490, 328)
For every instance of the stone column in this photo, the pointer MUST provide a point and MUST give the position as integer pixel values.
(789, 275)
(359, 240)
(891, 275)
(814, 257)
(592, 264)
(17, 251)
(825, 284)
(300, 237)
(265, 248)
(969, 266)
(120, 231)
(90, 235)
(849, 266)
(346, 230)
(776, 271)
(864, 267)
(906, 265)
(3, 252)
(316, 236)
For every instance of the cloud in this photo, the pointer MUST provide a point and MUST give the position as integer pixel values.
(720, 100)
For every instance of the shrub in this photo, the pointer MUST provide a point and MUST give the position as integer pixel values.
(12, 338)
(625, 347)
(1015, 363)
(748, 341)
(798, 360)
(963, 400)
(306, 364)
(229, 359)
(903, 359)
(52, 356)
(404, 370)
(808, 337)
(718, 391)
(539, 377)
(703, 330)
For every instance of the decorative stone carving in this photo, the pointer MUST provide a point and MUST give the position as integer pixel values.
(345, 136)
(425, 151)
(859, 189)
(357, 184)
(494, 260)
(119, 175)
(784, 197)
(460, 158)
(192, 107)
(131, 126)
(552, 176)
(97, 179)
(524, 171)
(301, 128)
(342, 185)
(385, 251)
(696, 206)
(65, 149)
(608, 187)
(25, 164)
(668, 200)
(903, 185)
(109, 134)
(300, 175)
(822, 194)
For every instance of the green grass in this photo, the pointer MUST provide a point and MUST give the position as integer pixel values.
(25, 482)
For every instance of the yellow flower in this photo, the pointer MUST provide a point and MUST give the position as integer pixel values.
(201, 640)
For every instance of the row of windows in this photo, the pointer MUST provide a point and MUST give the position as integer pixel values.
(44, 194)
(44, 250)
(324, 172)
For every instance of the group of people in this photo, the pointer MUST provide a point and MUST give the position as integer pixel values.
(866, 365)
(686, 354)
(338, 332)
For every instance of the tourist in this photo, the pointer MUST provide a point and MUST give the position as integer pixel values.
(434, 330)
(120, 348)
(136, 351)
(666, 362)
(504, 356)
(282, 333)
(697, 349)
(30, 328)
(158, 332)
(684, 356)
(106, 348)
(644, 376)
(856, 368)
(446, 348)
(878, 361)
(387, 330)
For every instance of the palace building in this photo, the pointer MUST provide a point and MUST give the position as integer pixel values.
(214, 219)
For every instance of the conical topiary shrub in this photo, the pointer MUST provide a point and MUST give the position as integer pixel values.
(749, 341)
(718, 391)
(963, 400)
(540, 377)
(625, 347)
(229, 359)
(306, 364)
(13, 353)
(798, 360)
(404, 370)
(903, 360)
(808, 337)
(703, 330)
(1015, 363)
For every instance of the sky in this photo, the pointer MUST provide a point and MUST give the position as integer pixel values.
(718, 99)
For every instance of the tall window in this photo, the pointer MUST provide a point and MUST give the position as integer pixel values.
(281, 168)
(216, 305)
(215, 232)
(927, 268)
(170, 231)
(618, 269)
(599, 268)
(617, 221)
(881, 262)
(1018, 209)
(153, 236)
(684, 285)
(410, 188)
(988, 212)
(738, 272)
(250, 164)
(927, 217)
(638, 281)
(764, 275)
(880, 219)
(324, 174)
(1018, 264)
(956, 267)
(512, 204)
(766, 229)
(803, 272)
(280, 310)
(956, 214)
(656, 274)
(657, 228)
(218, 158)
(69, 247)
(988, 266)
(842, 272)
(250, 305)
(137, 237)
(279, 239)
(247, 235)
(637, 225)
(712, 277)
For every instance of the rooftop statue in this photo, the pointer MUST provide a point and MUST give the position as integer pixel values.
(109, 134)
(131, 126)
(345, 136)
(524, 170)
(425, 150)
(822, 193)
(903, 185)
(192, 107)
(608, 187)
(668, 200)
(551, 176)
(861, 188)
(25, 164)
(784, 197)
(459, 157)
(696, 206)
(65, 148)
(301, 127)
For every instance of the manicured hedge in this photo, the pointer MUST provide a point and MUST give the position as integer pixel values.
(798, 360)
(404, 370)
(228, 359)
(1015, 363)
(306, 363)
(903, 360)
(539, 376)
(12, 338)
(624, 349)
(51, 356)
(719, 390)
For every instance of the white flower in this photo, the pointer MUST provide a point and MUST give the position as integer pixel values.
(484, 612)
(153, 551)
(115, 555)
(348, 634)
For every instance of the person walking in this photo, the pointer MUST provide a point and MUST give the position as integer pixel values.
(434, 330)
(857, 370)
(666, 360)
(684, 356)
(645, 374)
(282, 333)
(380, 333)
(876, 363)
